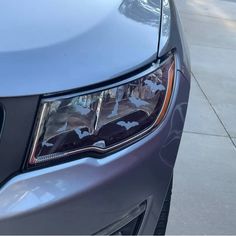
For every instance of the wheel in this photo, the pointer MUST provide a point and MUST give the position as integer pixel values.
(163, 219)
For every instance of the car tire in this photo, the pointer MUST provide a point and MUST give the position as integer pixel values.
(163, 219)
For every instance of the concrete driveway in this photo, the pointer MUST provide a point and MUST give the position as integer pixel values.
(204, 193)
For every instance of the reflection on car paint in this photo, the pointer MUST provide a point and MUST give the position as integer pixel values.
(143, 11)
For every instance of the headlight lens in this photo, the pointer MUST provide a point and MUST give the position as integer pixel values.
(102, 121)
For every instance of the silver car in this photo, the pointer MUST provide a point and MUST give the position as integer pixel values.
(93, 99)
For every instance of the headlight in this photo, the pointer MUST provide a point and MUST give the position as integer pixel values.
(104, 120)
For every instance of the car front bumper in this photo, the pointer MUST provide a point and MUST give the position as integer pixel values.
(87, 195)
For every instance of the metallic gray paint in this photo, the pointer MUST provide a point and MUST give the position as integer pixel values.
(84, 196)
(46, 49)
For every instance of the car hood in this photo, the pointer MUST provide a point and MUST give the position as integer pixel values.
(50, 46)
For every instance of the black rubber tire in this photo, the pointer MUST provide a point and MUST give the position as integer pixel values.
(163, 219)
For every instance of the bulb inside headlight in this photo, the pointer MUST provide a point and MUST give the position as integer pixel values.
(101, 121)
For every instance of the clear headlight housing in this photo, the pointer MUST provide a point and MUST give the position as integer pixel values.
(103, 120)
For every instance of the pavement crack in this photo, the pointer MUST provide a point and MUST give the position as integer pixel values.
(212, 107)
(210, 46)
(207, 134)
(219, 18)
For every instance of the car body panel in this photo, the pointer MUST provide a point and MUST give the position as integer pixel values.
(84, 196)
(47, 49)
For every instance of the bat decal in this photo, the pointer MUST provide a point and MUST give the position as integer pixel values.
(127, 125)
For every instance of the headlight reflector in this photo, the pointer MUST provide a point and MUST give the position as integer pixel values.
(102, 121)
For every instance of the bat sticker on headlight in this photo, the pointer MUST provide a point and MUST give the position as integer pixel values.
(102, 121)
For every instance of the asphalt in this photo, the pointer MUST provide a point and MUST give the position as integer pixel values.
(204, 191)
